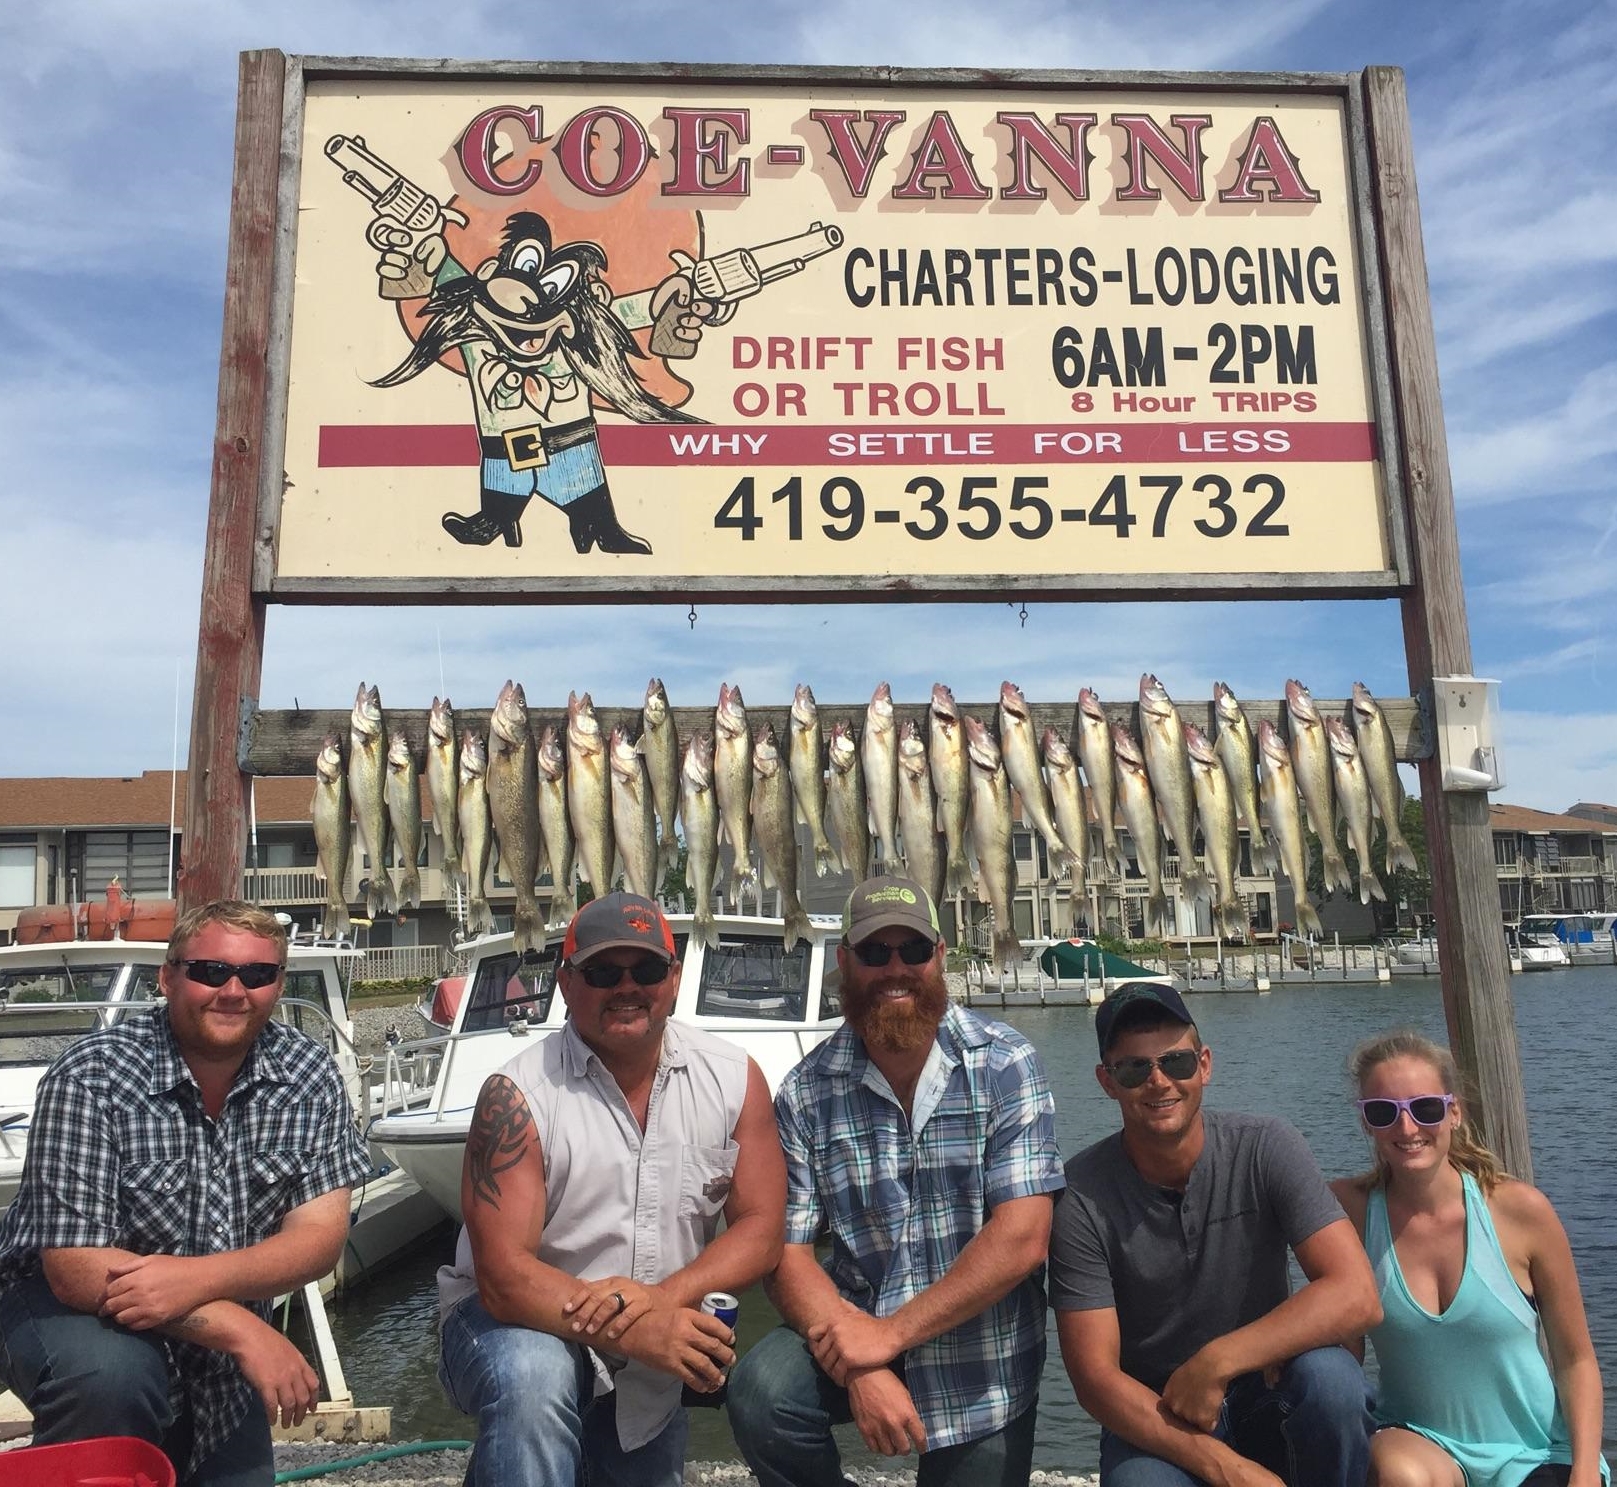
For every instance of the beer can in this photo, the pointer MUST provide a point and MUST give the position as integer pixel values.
(724, 1306)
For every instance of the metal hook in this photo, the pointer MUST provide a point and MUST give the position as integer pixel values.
(692, 616)
(1023, 615)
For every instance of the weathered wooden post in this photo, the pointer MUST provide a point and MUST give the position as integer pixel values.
(230, 632)
(1437, 642)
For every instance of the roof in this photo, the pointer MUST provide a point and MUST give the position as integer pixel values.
(76, 802)
(1521, 818)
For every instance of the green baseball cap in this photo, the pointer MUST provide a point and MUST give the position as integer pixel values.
(882, 903)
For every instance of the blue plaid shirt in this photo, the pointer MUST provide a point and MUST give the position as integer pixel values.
(900, 1205)
(122, 1155)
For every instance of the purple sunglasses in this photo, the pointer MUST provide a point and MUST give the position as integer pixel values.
(1425, 1110)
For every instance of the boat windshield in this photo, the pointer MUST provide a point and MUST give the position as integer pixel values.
(507, 987)
(753, 976)
(40, 1018)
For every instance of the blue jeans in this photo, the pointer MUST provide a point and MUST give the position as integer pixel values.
(538, 1420)
(82, 1376)
(1313, 1428)
(782, 1408)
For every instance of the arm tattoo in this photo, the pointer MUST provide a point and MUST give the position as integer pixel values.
(499, 1137)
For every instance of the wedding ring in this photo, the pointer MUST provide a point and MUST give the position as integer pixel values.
(622, 1304)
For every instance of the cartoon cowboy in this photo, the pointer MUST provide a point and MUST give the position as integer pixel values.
(540, 332)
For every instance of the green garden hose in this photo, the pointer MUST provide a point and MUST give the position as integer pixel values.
(325, 1468)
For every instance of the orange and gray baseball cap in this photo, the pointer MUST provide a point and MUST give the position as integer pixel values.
(883, 903)
(620, 921)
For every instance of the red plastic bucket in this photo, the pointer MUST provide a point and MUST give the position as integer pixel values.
(108, 1461)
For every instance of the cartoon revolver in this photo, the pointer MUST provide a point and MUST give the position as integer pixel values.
(727, 279)
(407, 219)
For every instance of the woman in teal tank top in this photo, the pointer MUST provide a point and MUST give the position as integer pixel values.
(1469, 1263)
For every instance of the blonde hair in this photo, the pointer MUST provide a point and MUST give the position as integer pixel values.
(1466, 1149)
(233, 913)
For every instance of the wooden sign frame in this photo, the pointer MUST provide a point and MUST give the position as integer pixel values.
(238, 572)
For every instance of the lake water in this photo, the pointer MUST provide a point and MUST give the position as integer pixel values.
(1281, 1054)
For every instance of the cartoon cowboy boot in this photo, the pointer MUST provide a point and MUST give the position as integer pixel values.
(500, 516)
(595, 524)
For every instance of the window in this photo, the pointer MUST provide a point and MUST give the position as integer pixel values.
(16, 873)
(307, 986)
(1504, 850)
(753, 976)
(508, 987)
(1263, 918)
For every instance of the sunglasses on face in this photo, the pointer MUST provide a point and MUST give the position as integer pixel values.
(876, 953)
(645, 972)
(1424, 1110)
(1178, 1063)
(216, 973)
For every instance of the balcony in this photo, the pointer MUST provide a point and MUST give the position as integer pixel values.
(292, 887)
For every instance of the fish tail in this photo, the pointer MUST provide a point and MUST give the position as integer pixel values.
(528, 930)
(1194, 881)
(1308, 919)
(1336, 870)
(1370, 887)
(959, 874)
(1156, 907)
(798, 929)
(452, 868)
(479, 917)
(704, 928)
(825, 856)
(1112, 854)
(1007, 948)
(1232, 916)
(1399, 854)
(410, 887)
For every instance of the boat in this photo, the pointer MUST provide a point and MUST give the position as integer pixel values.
(1589, 936)
(774, 1003)
(59, 986)
(1538, 949)
(1054, 973)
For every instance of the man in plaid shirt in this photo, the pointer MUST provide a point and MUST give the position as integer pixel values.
(184, 1168)
(920, 1141)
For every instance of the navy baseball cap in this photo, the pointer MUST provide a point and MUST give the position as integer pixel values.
(620, 921)
(1128, 999)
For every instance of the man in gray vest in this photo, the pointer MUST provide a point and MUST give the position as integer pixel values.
(597, 1167)
(1169, 1280)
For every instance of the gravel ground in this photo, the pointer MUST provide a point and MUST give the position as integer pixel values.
(447, 1468)
(371, 1025)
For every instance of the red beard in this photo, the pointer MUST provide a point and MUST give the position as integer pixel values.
(897, 1027)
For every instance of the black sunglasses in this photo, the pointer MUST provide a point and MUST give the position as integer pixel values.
(1424, 1110)
(254, 975)
(1178, 1063)
(876, 953)
(647, 971)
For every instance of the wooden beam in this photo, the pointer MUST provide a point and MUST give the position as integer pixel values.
(230, 634)
(285, 743)
(1465, 895)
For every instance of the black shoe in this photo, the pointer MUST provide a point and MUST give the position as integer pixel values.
(500, 517)
(593, 523)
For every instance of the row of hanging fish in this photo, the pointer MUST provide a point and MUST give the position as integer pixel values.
(932, 800)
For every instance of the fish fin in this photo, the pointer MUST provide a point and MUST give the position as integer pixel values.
(704, 929)
(798, 930)
(1156, 908)
(798, 814)
(527, 931)
(1194, 881)
(1336, 869)
(452, 868)
(1399, 854)
(410, 888)
(1370, 887)
(825, 858)
(766, 878)
(1007, 948)
(1308, 919)
(1233, 917)
(959, 873)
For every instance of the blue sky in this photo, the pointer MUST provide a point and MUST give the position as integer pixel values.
(115, 153)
